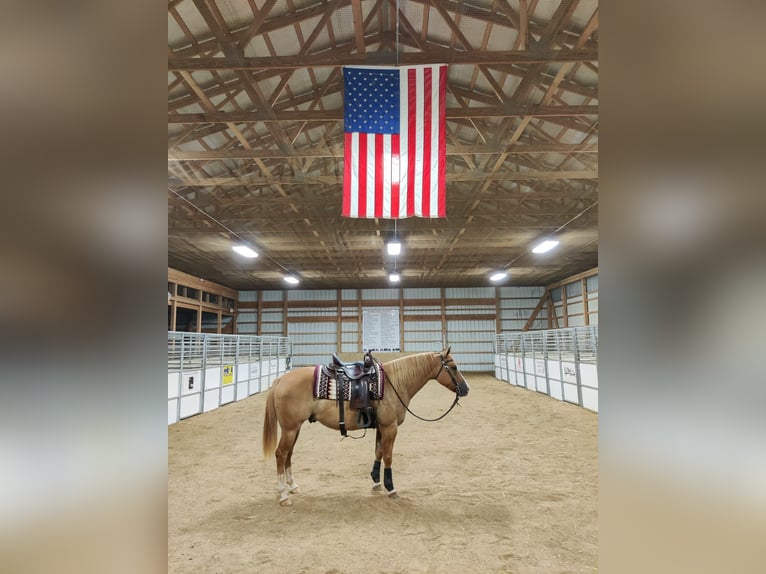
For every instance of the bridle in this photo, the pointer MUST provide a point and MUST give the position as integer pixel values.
(445, 366)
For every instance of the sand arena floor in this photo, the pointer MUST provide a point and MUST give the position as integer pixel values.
(508, 482)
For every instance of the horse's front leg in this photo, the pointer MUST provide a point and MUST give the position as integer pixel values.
(386, 448)
(375, 474)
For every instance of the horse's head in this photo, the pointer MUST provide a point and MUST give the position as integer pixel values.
(450, 376)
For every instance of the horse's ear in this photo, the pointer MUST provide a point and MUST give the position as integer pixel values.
(446, 352)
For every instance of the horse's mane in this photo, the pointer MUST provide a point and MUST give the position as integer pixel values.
(405, 368)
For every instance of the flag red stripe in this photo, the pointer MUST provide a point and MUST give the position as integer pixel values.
(395, 177)
(379, 160)
(347, 176)
(362, 163)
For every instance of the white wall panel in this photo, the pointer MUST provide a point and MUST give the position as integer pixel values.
(368, 294)
(272, 295)
(255, 378)
(248, 296)
(590, 399)
(191, 405)
(172, 411)
(174, 383)
(422, 293)
(469, 293)
(227, 394)
(570, 393)
(212, 377)
(312, 295)
(211, 400)
(588, 375)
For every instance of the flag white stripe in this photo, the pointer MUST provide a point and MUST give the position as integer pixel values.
(370, 189)
(354, 210)
(434, 135)
(417, 149)
(387, 168)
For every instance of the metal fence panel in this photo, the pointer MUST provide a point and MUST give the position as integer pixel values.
(561, 363)
(207, 370)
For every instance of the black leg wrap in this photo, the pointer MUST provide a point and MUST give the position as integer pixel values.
(388, 480)
(375, 474)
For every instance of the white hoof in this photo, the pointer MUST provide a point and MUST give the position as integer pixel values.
(376, 486)
(393, 494)
(295, 489)
(285, 502)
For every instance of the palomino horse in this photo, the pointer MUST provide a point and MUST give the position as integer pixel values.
(291, 402)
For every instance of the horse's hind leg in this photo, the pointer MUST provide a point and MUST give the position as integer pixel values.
(283, 454)
(292, 486)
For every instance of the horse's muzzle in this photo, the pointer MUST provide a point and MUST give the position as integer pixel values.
(462, 388)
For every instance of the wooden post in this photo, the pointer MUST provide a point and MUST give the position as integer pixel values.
(284, 313)
(564, 308)
(339, 331)
(401, 320)
(584, 289)
(259, 319)
(359, 320)
(498, 321)
(445, 342)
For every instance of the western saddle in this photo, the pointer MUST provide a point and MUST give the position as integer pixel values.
(358, 376)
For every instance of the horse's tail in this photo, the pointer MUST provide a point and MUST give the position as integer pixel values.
(270, 424)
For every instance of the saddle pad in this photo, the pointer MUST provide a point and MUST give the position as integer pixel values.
(326, 387)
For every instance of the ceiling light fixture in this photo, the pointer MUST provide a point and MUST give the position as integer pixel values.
(546, 245)
(394, 247)
(245, 250)
(498, 276)
(394, 277)
(292, 279)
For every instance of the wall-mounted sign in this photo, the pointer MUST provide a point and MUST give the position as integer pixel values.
(380, 330)
(228, 374)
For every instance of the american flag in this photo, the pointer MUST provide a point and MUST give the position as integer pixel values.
(395, 143)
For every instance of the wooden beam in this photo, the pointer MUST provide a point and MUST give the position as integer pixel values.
(268, 115)
(573, 278)
(333, 179)
(182, 278)
(535, 311)
(432, 55)
(183, 155)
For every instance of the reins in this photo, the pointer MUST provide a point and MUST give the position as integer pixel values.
(455, 402)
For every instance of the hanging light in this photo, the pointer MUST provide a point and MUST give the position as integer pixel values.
(245, 250)
(394, 277)
(498, 276)
(292, 279)
(394, 247)
(546, 245)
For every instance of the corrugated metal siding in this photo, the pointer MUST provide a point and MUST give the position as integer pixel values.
(372, 294)
(272, 295)
(317, 295)
(431, 293)
(314, 330)
(248, 296)
(469, 292)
